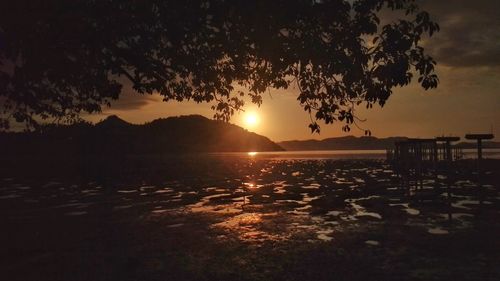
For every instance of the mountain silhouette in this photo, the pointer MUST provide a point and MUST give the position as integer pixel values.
(362, 143)
(342, 143)
(113, 122)
(184, 134)
(199, 134)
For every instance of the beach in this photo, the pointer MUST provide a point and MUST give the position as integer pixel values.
(244, 217)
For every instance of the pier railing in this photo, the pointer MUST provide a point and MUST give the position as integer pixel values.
(413, 158)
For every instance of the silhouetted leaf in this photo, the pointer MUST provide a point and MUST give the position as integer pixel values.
(60, 59)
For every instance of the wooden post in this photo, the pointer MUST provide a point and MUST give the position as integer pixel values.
(479, 138)
(448, 159)
(479, 149)
(447, 155)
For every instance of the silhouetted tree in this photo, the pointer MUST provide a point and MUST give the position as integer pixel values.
(61, 58)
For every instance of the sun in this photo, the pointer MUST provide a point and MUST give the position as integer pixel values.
(251, 119)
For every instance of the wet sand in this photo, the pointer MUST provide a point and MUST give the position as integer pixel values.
(247, 218)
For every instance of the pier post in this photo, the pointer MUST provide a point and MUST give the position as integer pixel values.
(479, 138)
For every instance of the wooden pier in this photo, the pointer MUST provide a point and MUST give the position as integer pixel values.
(414, 159)
(479, 138)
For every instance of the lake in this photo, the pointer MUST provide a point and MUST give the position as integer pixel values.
(320, 215)
(492, 153)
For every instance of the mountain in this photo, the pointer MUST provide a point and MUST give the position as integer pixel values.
(362, 143)
(113, 122)
(485, 144)
(197, 133)
(342, 143)
(115, 136)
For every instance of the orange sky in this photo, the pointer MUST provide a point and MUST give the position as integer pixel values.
(460, 105)
(467, 100)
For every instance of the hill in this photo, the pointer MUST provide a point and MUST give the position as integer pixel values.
(362, 143)
(342, 143)
(184, 134)
(485, 144)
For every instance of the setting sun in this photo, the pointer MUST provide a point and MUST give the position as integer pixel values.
(251, 119)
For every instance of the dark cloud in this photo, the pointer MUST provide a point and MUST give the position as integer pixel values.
(469, 37)
(470, 32)
(130, 99)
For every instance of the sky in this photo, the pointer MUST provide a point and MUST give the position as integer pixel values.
(467, 100)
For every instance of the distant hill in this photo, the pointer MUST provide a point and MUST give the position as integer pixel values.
(342, 143)
(113, 135)
(361, 143)
(485, 144)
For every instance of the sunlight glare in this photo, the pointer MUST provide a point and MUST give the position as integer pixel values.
(251, 185)
(251, 119)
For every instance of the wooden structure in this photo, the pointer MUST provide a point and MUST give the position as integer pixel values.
(412, 159)
(449, 154)
(479, 138)
(436, 160)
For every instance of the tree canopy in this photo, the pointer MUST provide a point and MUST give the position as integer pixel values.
(60, 59)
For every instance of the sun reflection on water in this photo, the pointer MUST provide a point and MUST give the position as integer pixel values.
(252, 153)
(249, 227)
(251, 185)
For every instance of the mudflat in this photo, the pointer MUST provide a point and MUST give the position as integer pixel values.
(247, 218)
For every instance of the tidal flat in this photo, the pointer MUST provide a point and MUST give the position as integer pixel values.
(247, 218)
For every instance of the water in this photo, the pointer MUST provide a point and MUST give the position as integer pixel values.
(311, 193)
(310, 155)
(491, 153)
(252, 212)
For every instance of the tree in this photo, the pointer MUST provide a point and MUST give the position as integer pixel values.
(62, 58)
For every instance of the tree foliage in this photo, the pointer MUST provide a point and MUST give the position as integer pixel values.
(63, 58)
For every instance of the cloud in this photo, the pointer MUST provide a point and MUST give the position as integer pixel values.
(470, 32)
(130, 99)
(469, 38)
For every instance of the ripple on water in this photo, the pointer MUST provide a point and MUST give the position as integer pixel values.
(175, 225)
(312, 186)
(204, 205)
(80, 213)
(248, 227)
(298, 212)
(372, 242)
(279, 190)
(126, 191)
(411, 211)
(307, 198)
(159, 211)
(323, 235)
(164, 190)
(116, 208)
(333, 213)
(437, 231)
(306, 207)
(360, 211)
(10, 196)
(407, 209)
(359, 180)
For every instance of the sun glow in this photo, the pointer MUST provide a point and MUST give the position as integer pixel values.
(251, 119)
(251, 185)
